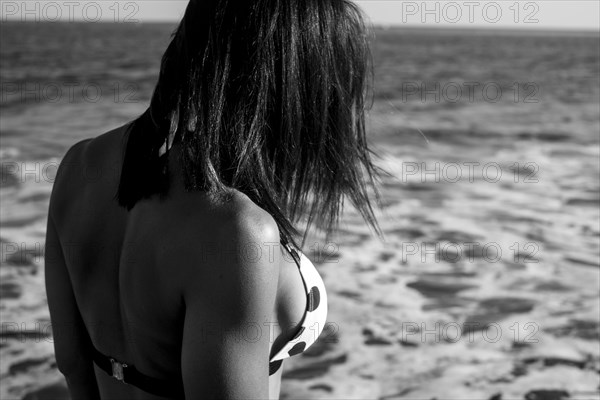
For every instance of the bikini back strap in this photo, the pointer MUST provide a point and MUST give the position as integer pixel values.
(292, 250)
(128, 374)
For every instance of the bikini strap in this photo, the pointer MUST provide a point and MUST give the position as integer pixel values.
(129, 374)
(292, 250)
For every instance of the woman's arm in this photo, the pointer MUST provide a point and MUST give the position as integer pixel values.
(72, 344)
(229, 302)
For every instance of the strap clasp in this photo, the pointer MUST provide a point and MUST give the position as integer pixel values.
(117, 370)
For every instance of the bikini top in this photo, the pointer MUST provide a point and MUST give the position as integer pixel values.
(311, 326)
(315, 315)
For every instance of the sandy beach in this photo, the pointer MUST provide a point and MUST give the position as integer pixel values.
(487, 283)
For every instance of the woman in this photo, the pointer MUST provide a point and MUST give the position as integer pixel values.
(170, 281)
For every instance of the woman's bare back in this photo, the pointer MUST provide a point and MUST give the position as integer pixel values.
(130, 271)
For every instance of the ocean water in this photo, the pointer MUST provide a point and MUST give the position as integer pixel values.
(487, 282)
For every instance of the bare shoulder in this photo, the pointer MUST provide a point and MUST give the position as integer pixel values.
(68, 175)
(229, 297)
(244, 220)
(100, 151)
(236, 252)
(89, 162)
(231, 218)
(92, 150)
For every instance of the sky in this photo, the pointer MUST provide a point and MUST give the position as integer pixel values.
(507, 14)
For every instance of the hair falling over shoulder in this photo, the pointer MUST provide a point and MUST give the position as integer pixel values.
(266, 97)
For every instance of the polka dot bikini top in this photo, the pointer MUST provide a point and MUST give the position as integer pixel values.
(315, 315)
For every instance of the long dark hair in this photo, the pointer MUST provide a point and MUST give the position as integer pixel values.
(266, 97)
